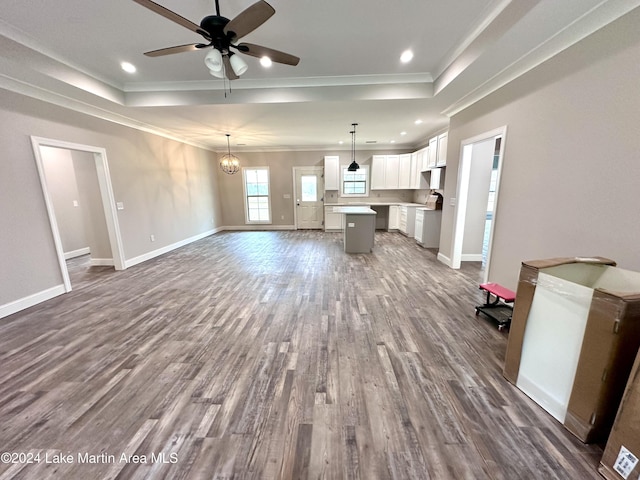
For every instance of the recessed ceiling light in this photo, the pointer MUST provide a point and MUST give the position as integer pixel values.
(392, 141)
(418, 122)
(340, 142)
(128, 67)
(265, 62)
(403, 133)
(406, 56)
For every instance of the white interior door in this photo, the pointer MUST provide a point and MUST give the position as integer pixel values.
(309, 197)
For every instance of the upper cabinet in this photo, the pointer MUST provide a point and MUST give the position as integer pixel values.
(332, 173)
(433, 153)
(409, 170)
(438, 151)
(441, 161)
(405, 172)
(385, 172)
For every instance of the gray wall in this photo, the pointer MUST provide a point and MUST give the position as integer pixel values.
(94, 218)
(169, 189)
(63, 190)
(571, 166)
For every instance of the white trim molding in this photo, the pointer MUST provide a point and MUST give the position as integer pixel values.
(101, 262)
(77, 253)
(257, 227)
(31, 300)
(166, 249)
(444, 259)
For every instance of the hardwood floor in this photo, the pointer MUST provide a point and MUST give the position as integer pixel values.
(272, 355)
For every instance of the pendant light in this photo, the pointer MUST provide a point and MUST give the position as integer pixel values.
(229, 163)
(354, 165)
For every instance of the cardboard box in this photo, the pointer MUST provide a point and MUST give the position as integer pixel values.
(434, 202)
(620, 459)
(573, 339)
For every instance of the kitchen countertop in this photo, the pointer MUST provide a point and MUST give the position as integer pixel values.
(354, 210)
(373, 204)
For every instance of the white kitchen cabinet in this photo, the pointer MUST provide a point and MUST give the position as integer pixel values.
(332, 221)
(392, 172)
(405, 172)
(435, 178)
(378, 165)
(424, 164)
(427, 227)
(415, 170)
(438, 151)
(407, 220)
(385, 172)
(419, 222)
(433, 152)
(332, 173)
(394, 217)
(443, 140)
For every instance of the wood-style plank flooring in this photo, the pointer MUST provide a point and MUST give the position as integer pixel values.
(272, 355)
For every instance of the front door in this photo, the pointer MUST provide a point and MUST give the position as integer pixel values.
(309, 197)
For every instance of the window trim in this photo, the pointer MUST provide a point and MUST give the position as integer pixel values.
(246, 197)
(343, 168)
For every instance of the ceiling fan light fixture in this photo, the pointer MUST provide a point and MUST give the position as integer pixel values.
(229, 163)
(213, 61)
(266, 62)
(237, 64)
(219, 74)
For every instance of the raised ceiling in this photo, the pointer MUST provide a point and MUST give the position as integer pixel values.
(70, 52)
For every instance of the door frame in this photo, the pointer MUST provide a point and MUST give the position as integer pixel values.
(294, 170)
(106, 194)
(464, 167)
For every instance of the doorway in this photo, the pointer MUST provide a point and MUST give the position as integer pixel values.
(105, 198)
(477, 203)
(309, 197)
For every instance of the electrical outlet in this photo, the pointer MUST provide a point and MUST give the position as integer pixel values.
(152, 238)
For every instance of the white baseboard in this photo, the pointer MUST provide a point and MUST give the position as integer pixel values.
(77, 253)
(471, 257)
(31, 300)
(258, 227)
(101, 262)
(444, 259)
(156, 253)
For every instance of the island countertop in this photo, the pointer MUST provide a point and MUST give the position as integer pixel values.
(354, 210)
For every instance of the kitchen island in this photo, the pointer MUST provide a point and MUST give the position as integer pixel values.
(359, 226)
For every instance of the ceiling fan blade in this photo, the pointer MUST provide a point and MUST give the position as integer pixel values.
(228, 69)
(274, 55)
(178, 49)
(248, 20)
(174, 17)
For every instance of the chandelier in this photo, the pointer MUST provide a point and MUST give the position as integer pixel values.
(229, 163)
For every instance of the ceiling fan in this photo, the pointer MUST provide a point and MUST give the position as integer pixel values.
(222, 35)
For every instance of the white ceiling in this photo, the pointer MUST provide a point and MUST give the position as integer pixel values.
(69, 53)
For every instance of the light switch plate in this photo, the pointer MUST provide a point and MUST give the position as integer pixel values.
(120, 206)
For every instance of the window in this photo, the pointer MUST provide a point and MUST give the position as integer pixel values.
(355, 184)
(309, 185)
(256, 195)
